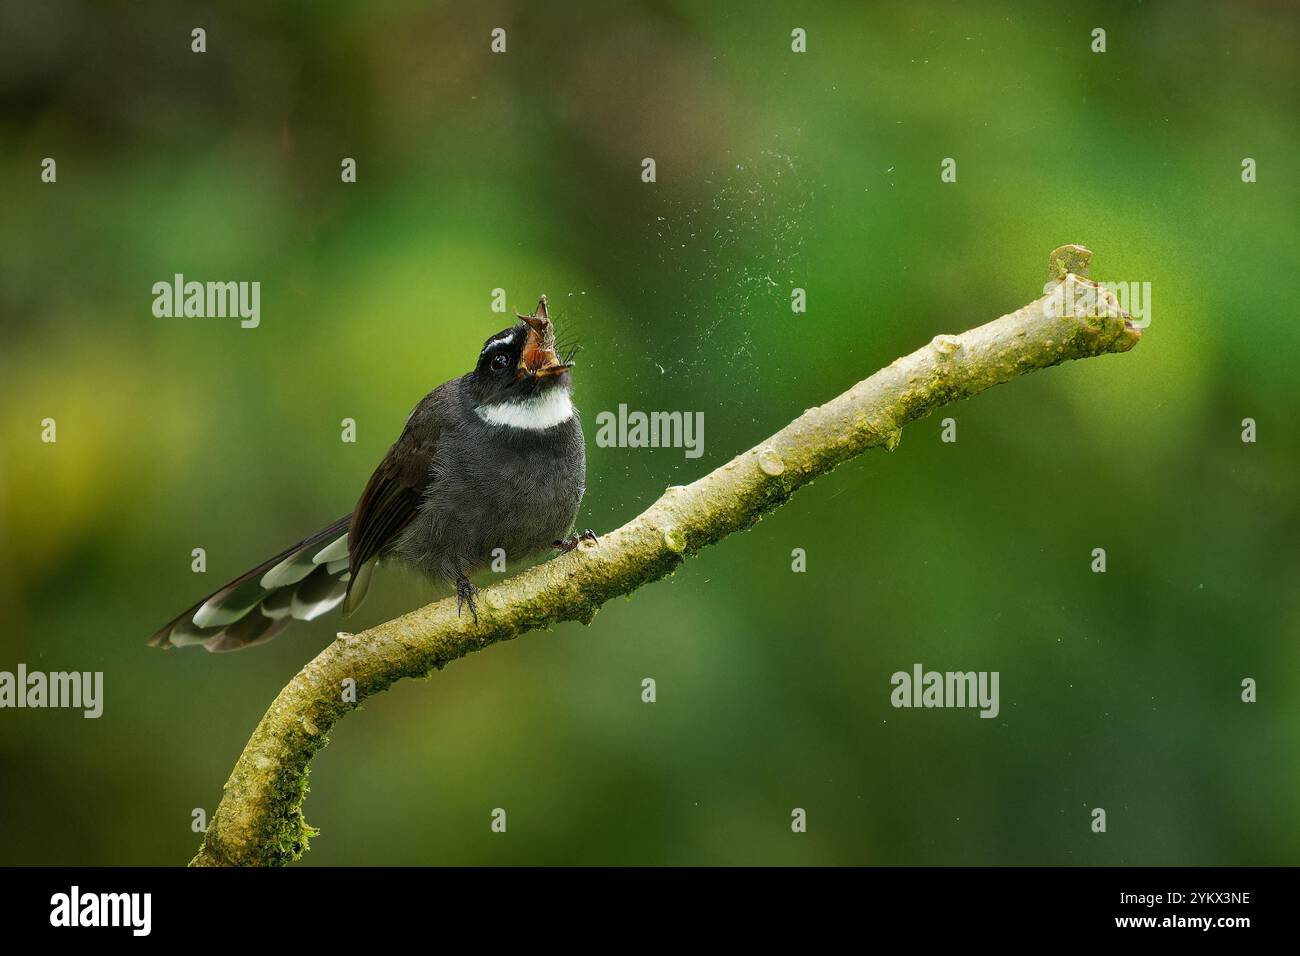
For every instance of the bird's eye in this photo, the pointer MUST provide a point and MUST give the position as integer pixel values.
(500, 362)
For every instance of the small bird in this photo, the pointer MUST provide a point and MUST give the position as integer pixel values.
(493, 459)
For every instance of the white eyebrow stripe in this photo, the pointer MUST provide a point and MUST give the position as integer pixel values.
(499, 340)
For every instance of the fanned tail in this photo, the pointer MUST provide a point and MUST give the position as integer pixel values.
(299, 584)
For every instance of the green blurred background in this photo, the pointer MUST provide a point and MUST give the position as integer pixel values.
(775, 170)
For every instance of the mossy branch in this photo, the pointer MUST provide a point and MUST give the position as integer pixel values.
(260, 821)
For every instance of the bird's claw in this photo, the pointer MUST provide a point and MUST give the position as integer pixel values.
(565, 545)
(465, 592)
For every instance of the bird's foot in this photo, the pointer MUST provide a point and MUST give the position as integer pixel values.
(566, 545)
(465, 592)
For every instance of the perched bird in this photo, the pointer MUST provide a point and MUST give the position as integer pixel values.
(493, 459)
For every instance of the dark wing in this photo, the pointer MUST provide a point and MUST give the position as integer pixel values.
(391, 499)
(324, 569)
(300, 583)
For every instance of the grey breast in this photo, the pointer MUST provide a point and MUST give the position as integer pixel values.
(495, 487)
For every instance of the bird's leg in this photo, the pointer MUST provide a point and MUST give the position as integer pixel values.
(572, 541)
(465, 592)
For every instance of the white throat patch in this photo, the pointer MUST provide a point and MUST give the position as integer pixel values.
(535, 414)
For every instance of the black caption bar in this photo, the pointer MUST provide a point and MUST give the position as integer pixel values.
(131, 906)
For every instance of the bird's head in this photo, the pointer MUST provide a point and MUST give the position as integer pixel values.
(520, 364)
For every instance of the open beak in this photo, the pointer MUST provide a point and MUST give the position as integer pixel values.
(539, 359)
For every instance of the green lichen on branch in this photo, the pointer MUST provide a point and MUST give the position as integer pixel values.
(260, 820)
